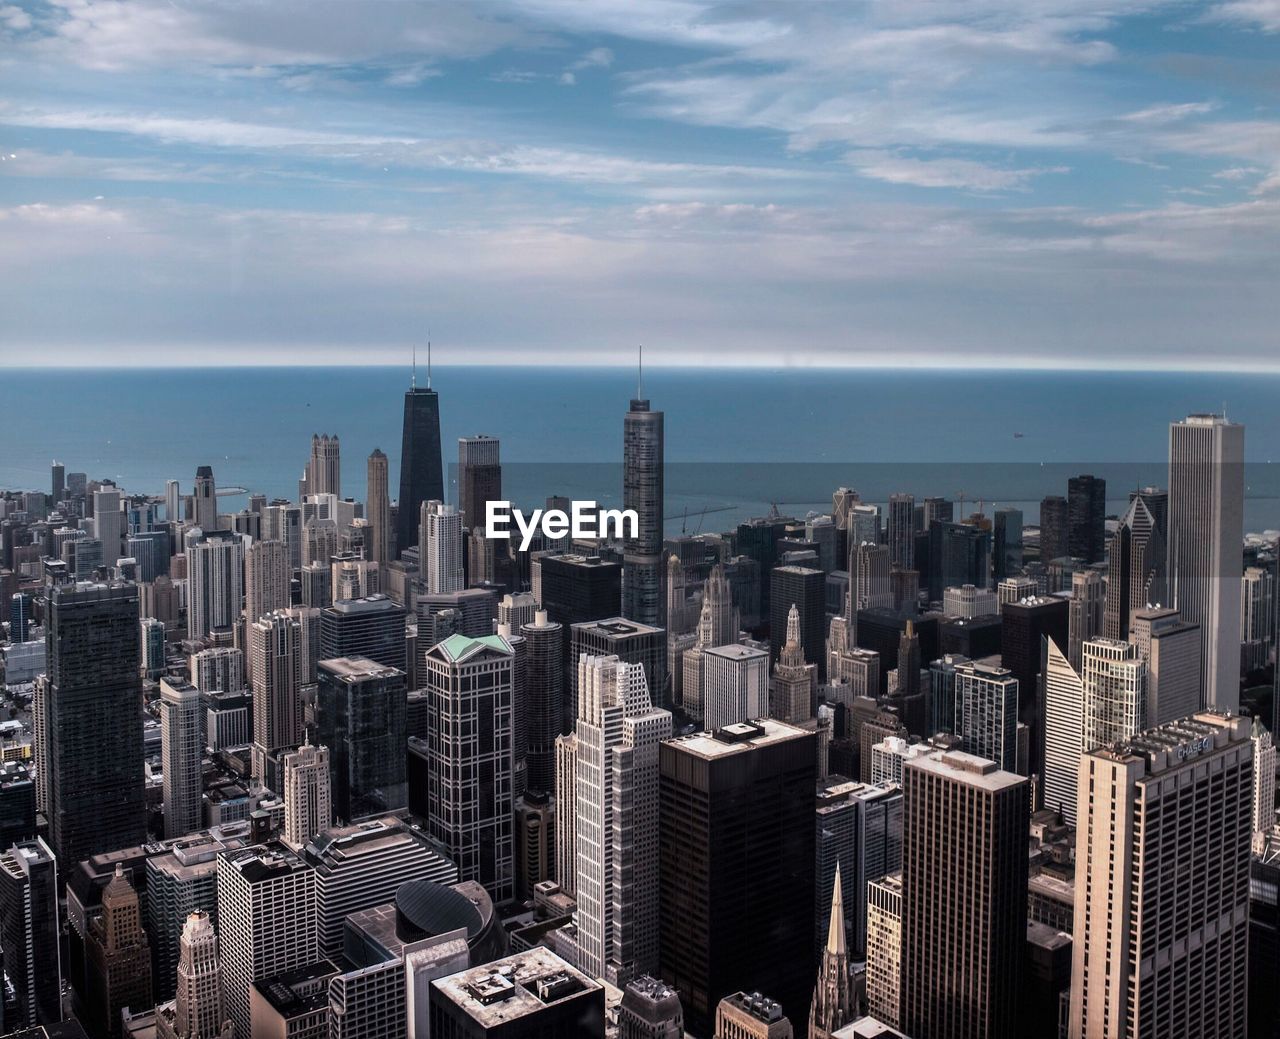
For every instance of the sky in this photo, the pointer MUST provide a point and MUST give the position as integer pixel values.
(1008, 183)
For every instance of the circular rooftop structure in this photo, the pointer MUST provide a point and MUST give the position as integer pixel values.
(425, 909)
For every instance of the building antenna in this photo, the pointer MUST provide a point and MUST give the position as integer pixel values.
(413, 377)
(428, 360)
(640, 374)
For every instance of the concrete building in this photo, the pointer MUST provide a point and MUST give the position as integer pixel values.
(198, 1010)
(215, 580)
(308, 795)
(1162, 882)
(650, 1009)
(440, 548)
(276, 645)
(1171, 648)
(30, 938)
(750, 1015)
(182, 750)
(736, 684)
(884, 948)
(986, 712)
(643, 597)
(378, 509)
(118, 957)
(969, 601)
(792, 693)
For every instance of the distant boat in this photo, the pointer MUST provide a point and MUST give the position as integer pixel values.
(1017, 436)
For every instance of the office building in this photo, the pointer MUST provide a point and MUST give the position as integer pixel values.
(650, 1009)
(266, 579)
(276, 647)
(421, 469)
(793, 689)
(30, 935)
(215, 581)
(969, 601)
(324, 469)
(1257, 618)
(1162, 883)
(90, 734)
(884, 949)
(1006, 543)
(1136, 562)
(723, 796)
(1114, 678)
(308, 795)
(219, 667)
(833, 1004)
(535, 841)
(1086, 518)
(1264, 783)
(643, 597)
(544, 698)
(360, 717)
(751, 1015)
(440, 548)
(1206, 535)
(717, 625)
(803, 588)
(736, 684)
(378, 509)
(182, 750)
(1085, 610)
(1054, 528)
(521, 996)
(372, 627)
(118, 954)
(901, 531)
(479, 477)
(470, 682)
(575, 588)
(615, 839)
(869, 580)
(959, 554)
(198, 1010)
(268, 921)
(986, 712)
(964, 896)
(108, 522)
(629, 641)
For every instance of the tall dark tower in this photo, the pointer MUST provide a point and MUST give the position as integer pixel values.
(642, 489)
(421, 472)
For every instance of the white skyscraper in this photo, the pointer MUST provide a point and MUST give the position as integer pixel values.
(1257, 617)
(1171, 648)
(1206, 538)
(276, 646)
(1063, 729)
(215, 581)
(108, 523)
(615, 819)
(736, 684)
(1088, 601)
(181, 750)
(440, 547)
(986, 713)
(1264, 783)
(308, 798)
(198, 1010)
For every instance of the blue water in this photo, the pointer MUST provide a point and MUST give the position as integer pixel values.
(735, 440)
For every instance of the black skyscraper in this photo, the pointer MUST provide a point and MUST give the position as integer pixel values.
(93, 721)
(1053, 528)
(361, 717)
(371, 627)
(736, 866)
(804, 588)
(1086, 517)
(421, 471)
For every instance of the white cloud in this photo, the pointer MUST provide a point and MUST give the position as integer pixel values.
(943, 173)
(1260, 14)
(1159, 114)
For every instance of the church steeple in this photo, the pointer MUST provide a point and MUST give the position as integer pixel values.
(832, 1006)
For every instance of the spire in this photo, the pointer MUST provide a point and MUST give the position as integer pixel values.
(640, 374)
(413, 377)
(835, 933)
(428, 361)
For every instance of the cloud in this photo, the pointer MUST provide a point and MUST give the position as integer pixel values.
(596, 58)
(943, 173)
(1160, 114)
(1259, 14)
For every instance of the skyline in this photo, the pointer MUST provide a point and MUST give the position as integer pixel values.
(1041, 185)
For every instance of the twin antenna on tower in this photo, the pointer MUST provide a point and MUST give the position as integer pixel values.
(413, 378)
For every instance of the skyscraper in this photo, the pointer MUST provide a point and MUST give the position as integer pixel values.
(119, 958)
(1054, 528)
(795, 682)
(378, 509)
(717, 625)
(479, 477)
(901, 532)
(108, 523)
(30, 936)
(371, 627)
(440, 547)
(1206, 535)
(58, 479)
(469, 683)
(544, 698)
(736, 684)
(181, 752)
(1264, 782)
(1088, 599)
(276, 646)
(198, 1010)
(421, 474)
(92, 731)
(1136, 561)
(1086, 517)
(724, 797)
(308, 798)
(833, 1004)
(215, 580)
(1160, 938)
(1006, 548)
(1171, 648)
(205, 500)
(964, 897)
(986, 712)
(642, 490)
(803, 588)
(324, 470)
(360, 717)
(616, 840)
(884, 949)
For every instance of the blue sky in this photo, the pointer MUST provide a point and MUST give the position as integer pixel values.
(1035, 183)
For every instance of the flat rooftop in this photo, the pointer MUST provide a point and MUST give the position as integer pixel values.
(357, 668)
(958, 766)
(514, 987)
(738, 738)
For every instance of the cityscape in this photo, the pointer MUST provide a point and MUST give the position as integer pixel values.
(639, 519)
(324, 766)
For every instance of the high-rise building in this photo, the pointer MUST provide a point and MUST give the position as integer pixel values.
(266, 579)
(902, 530)
(308, 794)
(535, 841)
(869, 580)
(577, 588)
(736, 685)
(30, 936)
(884, 949)
(182, 749)
(108, 523)
(544, 698)
(795, 682)
(629, 641)
(1257, 617)
(372, 627)
(421, 470)
(1206, 536)
(198, 1010)
(1171, 648)
(58, 480)
(1054, 528)
(723, 797)
(751, 1015)
(90, 738)
(219, 667)
(268, 920)
(378, 509)
(276, 645)
(959, 554)
(1114, 678)
(1136, 561)
(440, 547)
(1084, 619)
(986, 712)
(215, 580)
(833, 1004)
(1006, 547)
(964, 896)
(615, 843)
(360, 717)
(470, 685)
(479, 477)
(205, 500)
(643, 597)
(324, 469)
(804, 588)
(1160, 937)
(1086, 517)
(119, 958)
(1264, 783)
(717, 625)
(650, 1009)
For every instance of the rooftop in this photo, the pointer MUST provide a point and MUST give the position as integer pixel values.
(738, 738)
(966, 768)
(357, 668)
(514, 986)
(458, 648)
